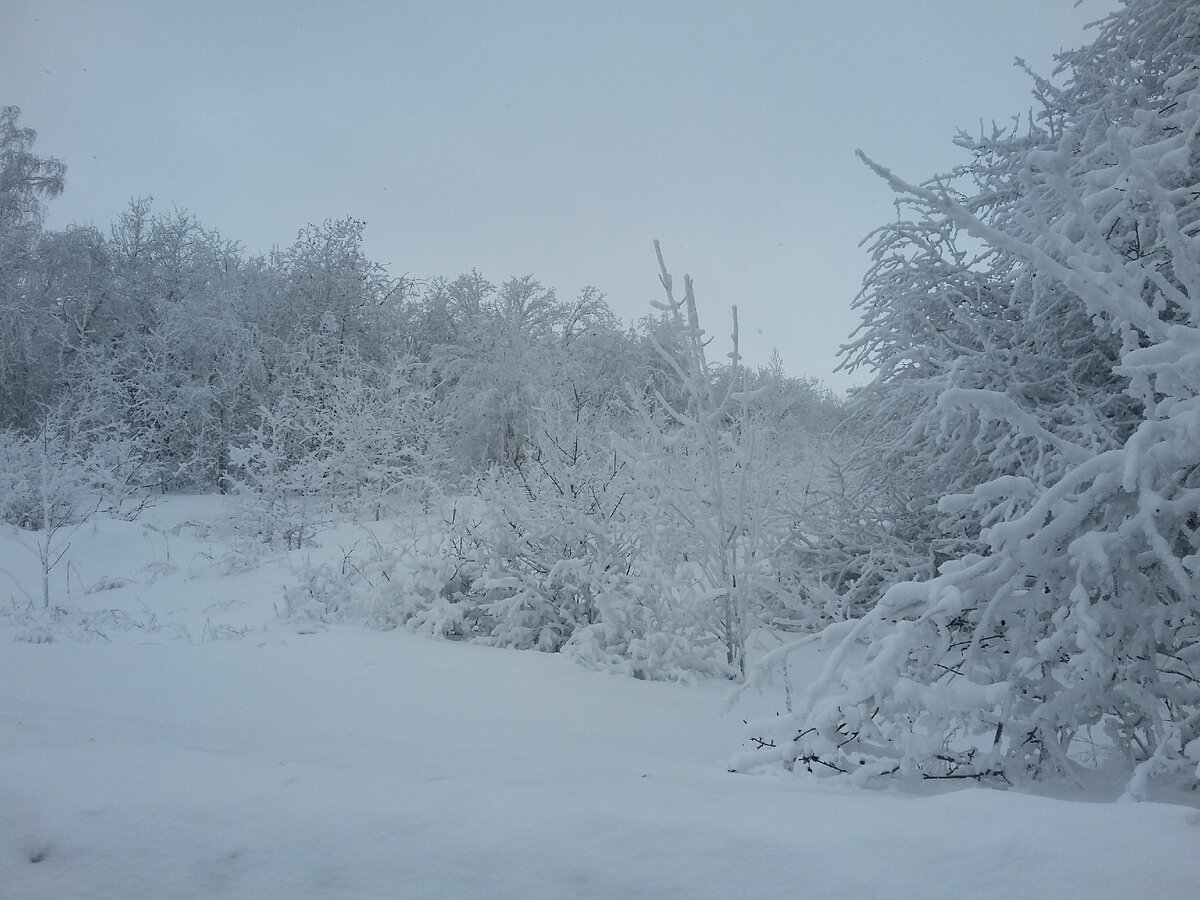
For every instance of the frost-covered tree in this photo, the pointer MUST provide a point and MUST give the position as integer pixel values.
(80, 461)
(171, 321)
(30, 336)
(331, 286)
(341, 442)
(1049, 378)
(25, 178)
(708, 461)
(630, 528)
(505, 357)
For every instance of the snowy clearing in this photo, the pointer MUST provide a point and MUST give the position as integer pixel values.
(143, 760)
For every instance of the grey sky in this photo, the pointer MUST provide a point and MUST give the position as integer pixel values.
(557, 138)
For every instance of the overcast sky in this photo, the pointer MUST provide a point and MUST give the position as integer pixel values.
(557, 138)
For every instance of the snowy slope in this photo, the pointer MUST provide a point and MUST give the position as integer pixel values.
(161, 763)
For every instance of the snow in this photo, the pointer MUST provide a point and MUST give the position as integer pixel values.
(190, 744)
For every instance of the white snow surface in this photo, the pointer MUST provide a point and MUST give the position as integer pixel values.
(175, 739)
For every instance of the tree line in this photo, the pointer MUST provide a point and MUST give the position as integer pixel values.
(997, 537)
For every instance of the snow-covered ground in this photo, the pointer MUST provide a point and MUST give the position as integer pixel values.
(176, 740)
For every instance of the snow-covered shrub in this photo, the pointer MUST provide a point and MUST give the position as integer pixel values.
(711, 476)
(79, 462)
(648, 554)
(552, 548)
(853, 533)
(1064, 412)
(562, 558)
(556, 553)
(392, 576)
(342, 443)
(277, 476)
(19, 473)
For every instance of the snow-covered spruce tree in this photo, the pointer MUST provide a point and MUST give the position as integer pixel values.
(1053, 379)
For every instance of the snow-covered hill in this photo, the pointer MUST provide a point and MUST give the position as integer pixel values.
(175, 740)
